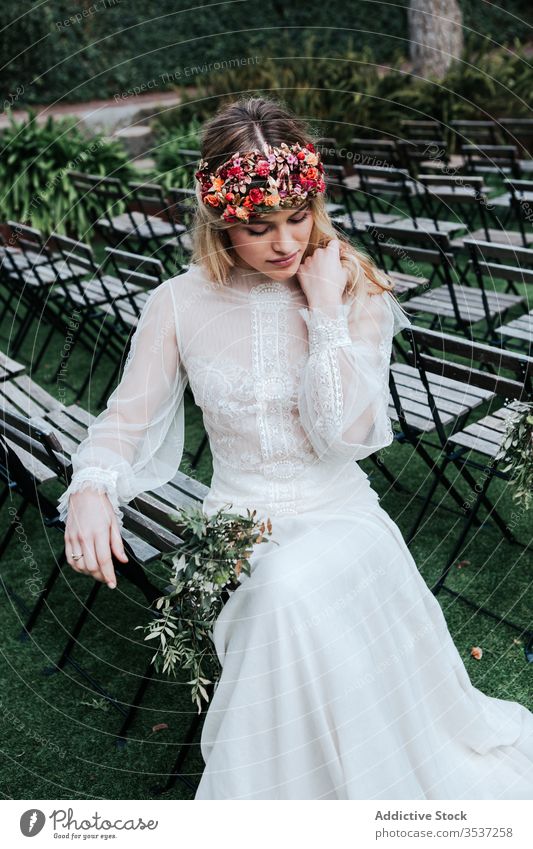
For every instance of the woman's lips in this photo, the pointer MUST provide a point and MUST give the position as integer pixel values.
(284, 261)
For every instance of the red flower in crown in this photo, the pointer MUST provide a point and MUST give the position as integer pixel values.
(290, 174)
(262, 169)
(256, 195)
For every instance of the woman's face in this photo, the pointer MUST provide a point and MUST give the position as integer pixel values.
(275, 236)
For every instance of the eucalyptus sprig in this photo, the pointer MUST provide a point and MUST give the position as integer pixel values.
(516, 450)
(203, 572)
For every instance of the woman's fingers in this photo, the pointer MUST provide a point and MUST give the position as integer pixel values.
(89, 558)
(105, 562)
(73, 549)
(117, 545)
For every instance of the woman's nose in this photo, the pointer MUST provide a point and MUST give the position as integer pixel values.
(284, 243)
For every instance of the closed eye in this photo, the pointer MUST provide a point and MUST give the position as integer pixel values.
(292, 221)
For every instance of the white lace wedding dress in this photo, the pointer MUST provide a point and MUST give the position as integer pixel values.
(340, 678)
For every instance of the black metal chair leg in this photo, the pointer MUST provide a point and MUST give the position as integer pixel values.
(427, 501)
(387, 474)
(182, 756)
(39, 604)
(21, 334)
(459, 544)
(457, 497)
(36, 363)
(78, 626)
(134, 707)
(487, 504)
(200, 450)
(8, 536)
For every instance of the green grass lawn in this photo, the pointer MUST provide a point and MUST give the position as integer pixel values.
(59, 736)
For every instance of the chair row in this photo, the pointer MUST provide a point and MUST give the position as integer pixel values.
(142, 216)
(486, 297)
(38, 436)
(57, 283)
(458, 205)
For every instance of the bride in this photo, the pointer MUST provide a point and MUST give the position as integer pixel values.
(340, 679)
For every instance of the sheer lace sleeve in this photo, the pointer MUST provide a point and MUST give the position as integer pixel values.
(136, 443)
(344, 388)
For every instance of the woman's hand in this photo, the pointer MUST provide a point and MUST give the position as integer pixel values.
(92, 530)
(323, 277)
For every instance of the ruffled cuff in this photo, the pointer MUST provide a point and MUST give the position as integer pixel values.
(326, 331)
(95, 478)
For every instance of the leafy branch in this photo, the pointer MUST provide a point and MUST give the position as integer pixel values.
(203, 572)
(517, 451)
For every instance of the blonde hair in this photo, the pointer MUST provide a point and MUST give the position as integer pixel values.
(247, 124)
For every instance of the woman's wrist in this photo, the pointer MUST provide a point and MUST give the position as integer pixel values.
(329, 307)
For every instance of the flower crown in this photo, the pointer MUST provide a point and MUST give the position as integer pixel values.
(283, 177)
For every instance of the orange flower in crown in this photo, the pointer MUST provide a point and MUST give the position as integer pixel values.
(255, 182)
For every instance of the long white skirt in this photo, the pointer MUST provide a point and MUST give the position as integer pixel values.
(340, 678)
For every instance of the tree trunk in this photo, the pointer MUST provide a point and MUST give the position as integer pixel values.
(436, 35)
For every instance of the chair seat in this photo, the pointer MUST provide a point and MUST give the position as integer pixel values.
(352, 181)
(143, 226)
(184, 241)
(361, 218)
(28, 258)
(44, 274)
(454, 399)
(25, 397)
(499, 237)
(334, 208)
(38, 470)
(95, 293)
(406, 282)
(9, 368)
(428, 225)
(469, 302)
(518, 328)
(128, 314)
(485, 435)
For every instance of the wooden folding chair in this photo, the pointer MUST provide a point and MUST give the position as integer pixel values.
(450, 302)
(507, 267)
(33, 268)
(381, 153)
(519, 199)
(176, 251)
(351, 210)
(475, 132)
(466, 197)
(495, 159)
(149, 531)
(507, 377)
(415, 129)
(417, 155)
(519, 132)
(411, 407)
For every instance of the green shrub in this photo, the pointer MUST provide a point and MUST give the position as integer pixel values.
(171, 167)
(355, 96)
(34, 160)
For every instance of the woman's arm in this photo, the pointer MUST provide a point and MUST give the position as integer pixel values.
(136, 443)
(344, 389)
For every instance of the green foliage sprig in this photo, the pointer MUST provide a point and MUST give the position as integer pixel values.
(202, 572)
(517, 450)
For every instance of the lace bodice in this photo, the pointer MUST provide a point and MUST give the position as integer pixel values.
(289, 394)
